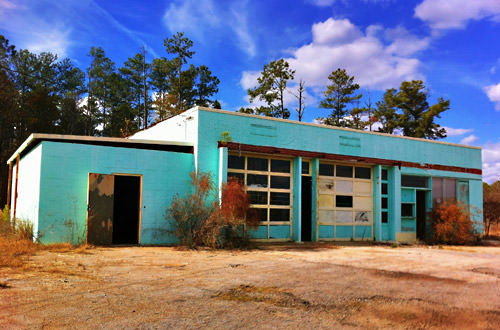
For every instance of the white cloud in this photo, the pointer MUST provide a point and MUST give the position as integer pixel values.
(340, 44)
(454, 14)
(322, 3)
(55, 26)
(249, 79)
(404, 43)
(491, 162)
(327, 3)
(190, 17)
(334, 31)
(469, 139)
(202, 18)
(493, 92)
(457, 131)
(51, 40)
(240, 26)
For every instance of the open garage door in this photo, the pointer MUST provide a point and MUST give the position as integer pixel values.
(113, 209)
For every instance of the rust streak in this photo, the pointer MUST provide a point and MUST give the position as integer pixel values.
(322, 155)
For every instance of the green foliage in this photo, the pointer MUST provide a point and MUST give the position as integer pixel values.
(386, 112)
(338, 95)
(226, 137)
(134, 72)
(180, 89)
(205, 86)
(216, 105)
(271, 88)
(407, 109)
(5, 214)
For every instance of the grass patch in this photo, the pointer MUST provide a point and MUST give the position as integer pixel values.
(14, 251)
(269, 295)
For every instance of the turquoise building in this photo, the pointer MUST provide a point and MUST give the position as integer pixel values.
(307, 182)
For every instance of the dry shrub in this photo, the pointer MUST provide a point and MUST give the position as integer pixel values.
(16, 242)
(24, 229)
(199, 220)
(190, 212)
(226, 226)
(452, 224)
(14, 252)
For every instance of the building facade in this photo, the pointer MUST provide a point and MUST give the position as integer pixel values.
(306, 182)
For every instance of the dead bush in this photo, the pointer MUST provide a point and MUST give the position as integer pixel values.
(452, 224)
(199, 220)
(16, 243)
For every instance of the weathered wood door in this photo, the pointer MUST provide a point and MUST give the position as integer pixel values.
(100, 209)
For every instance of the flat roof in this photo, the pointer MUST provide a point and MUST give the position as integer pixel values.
(234, 113)
(35, 138)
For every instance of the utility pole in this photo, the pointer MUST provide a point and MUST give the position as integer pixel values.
(145, 87)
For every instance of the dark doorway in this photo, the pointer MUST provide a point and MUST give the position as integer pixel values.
(126, 209)
(306, 209)
(421, 210)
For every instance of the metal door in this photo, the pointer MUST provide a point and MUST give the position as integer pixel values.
(100, 209)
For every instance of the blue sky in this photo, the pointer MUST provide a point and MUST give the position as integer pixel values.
(453, 45)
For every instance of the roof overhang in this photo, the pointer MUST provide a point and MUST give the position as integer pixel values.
(35, 138)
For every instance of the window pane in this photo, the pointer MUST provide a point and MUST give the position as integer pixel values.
(279, 215)
(258, 214)
(384, 174)
(344, 171)
(384, 203)
(343, 201)
(305, 167)
(437, 190)
(280, 182)
(326, 169)
(414, 181)
(236, 162)
(384, 188)
(343, 216)
(257, 164)
(257, 197)
(363, 173)
(278, 198)
(385, 217)
(406, 210)
(278, 165)
(451, 188)
(256, 181)
(344, 186)
(238, 176)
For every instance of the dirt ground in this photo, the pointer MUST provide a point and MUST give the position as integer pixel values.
(286, 286)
